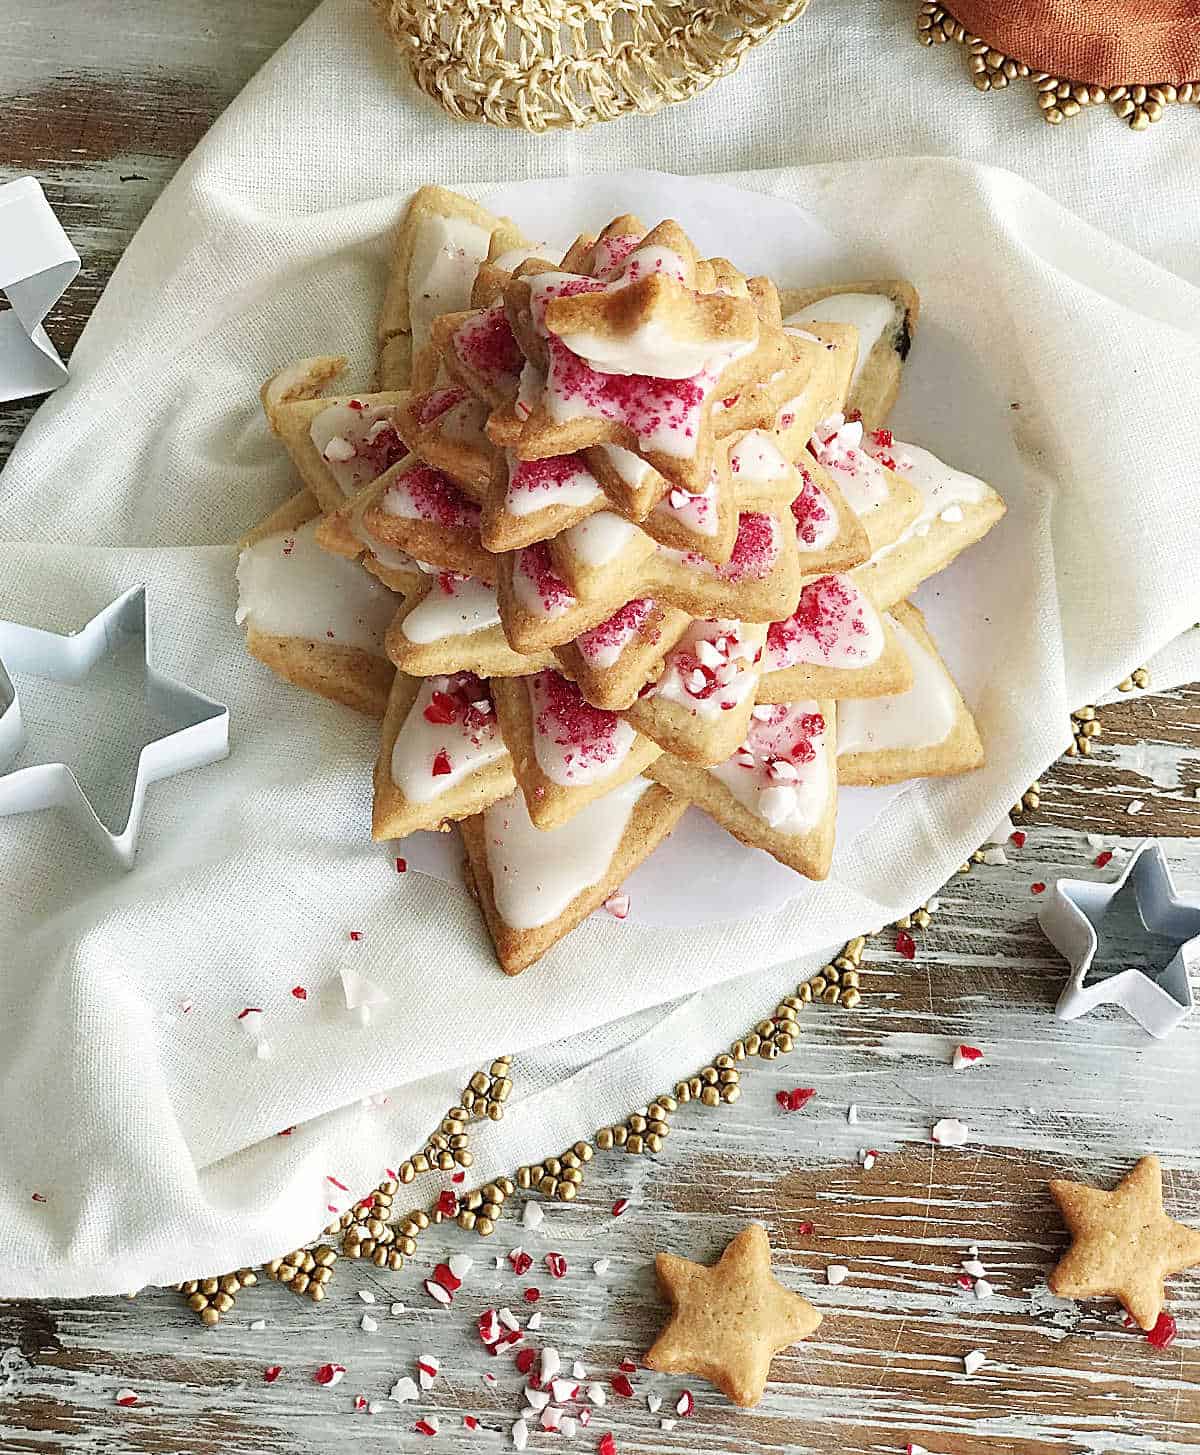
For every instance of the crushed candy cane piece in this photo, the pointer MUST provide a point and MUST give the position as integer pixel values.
(622, 1386)
(974, 1361)
(531, 1295)
(578, 1370)
(257, 1324)
(607, 1445)
(521, 1261)
(974, 1268)
(950, 1132)
(1103, 859)
(489, 1326)
(994, 855)
(627, 1366)
(556, 1265)
(445, 1276)
(520, 1435)
(685, 1404)
(427, 1370)
(1018, 837)
(525, 1360)
(852, 1114)
(271, 1373)
(585, 1416)
(1135, 806)
(404, 1389)
(619, 1206)
(551, 1417)
(366, 1295)
(617, 905)
(538, 1398)
(427, 1425)
(330, 1374)
(535, 1320)
(667, 1424)
(460, 1265)
(437, 1292)
(983, 1289)
(1038, 888)
(836, 1273)
(597, 1394)
(562, 1391)
(550, 1364)
(906, 945)
(867, 1158)
(509, 1319)
(1162, 1335)
(654, 1403)
(966, 1056)
(396, 1308)
(532, 1216)
(125, 1398)
(360, 1401)
(470, 1422)
(368, 1325)
(600, 1267)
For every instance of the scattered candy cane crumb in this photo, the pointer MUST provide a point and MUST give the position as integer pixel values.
(556, 1264)
(1037, 888)
(995, 855)
(271, 1373)
(965, 1056)
(836, 1273)
(427, 1425)
(852, 1114)
(368, 1325)
(330, 1374)
(685, 1404)
(974, 1361)
(619, 1206)
(867, 1157)
(950, 1132)
(520, 1435)
(125, 1398)
(532, 1217)
(257, 1324)
(600, 1267)
(396, 1308)
(1135, 806)
(427, 1370)
(617, 905)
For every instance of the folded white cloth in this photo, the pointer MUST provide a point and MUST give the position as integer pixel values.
(150, 1131)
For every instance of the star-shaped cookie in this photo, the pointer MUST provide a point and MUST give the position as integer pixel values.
(1122, 1242)
(730, 1320)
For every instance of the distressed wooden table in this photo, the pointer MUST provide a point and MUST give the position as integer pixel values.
(101, 103)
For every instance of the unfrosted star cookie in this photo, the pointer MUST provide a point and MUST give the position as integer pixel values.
(924, 732)
(534, 885)
(533, 500)
(884, 502)
(337, 443)
(728, 1321)
(451, 623)
(699, 707)
(956, 511)
(445, 427)
(614, 660)
(438, 247)
(778, 791)
(316, 620)
(884, 316)
(422, 511)
(835, 644)
(1122, 1242)
(565, 752)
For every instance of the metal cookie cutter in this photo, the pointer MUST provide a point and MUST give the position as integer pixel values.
(199, 733)
(1167, 928)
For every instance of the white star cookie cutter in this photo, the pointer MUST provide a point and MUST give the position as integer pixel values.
(1158, 996)
(199, 734)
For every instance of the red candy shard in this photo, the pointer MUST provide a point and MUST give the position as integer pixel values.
(447, 1203)
(1038, 888)
(607, 1445)
(782, 1098)
(442, 708)
(488, 1325)
(685, 1404)
(525, 1360)
(272, 1372)
(471, 1422)
(401, 866)
(906, 945)
(627, 1366)
(804, 1228)
(441, 763)
(299, 992)
(126, 1400)
(443, 1276)
(1164, 1331)
(799, 1097)
(458, 1177)
(619, 1206)
(532, 1295)
(964, 1281)
(329, 1373)
(970, 1053)
(521, 1261)
(557, 1264)
(1018, 837)
(622, 1386)
(1103, 858)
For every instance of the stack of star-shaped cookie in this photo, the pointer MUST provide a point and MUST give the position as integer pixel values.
(629, 535)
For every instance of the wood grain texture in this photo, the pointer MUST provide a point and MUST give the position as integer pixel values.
(104, 133)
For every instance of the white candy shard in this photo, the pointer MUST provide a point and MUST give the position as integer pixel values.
(551, 1363)
(852, 1114)
(460, 1264)
(974, 1361)
(532, 1217)
(403, 1390)
(537, 1398)
(361, 992)
(597, 1394)
(367, 1324)
(995, 855)
(983, 1289)
(950, 1132)
(600, 1267)
(836, 1273)
(520, 1435)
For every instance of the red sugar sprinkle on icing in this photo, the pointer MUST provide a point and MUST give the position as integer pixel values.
(550, 474)
(486, 345)
(534, 564)
(1163, 1333)
(754, 551)
(883, 437)
(436, 498)
(441, 763)
(618, 629)
(564, 716)
(906, 945)
(442, 708)
(828, 607)
(622, 1386)
(299, 992)
(1103, 858)
(437, 402)
(272, 1372)
(557, 1264)
(1038, 888)
(643, 403)
(810, 509)
(1018, 837)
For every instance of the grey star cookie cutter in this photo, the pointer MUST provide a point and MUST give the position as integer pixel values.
(199, 734)
(1158, 996)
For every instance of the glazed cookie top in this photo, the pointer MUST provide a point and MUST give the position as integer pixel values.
(423, 493)
(450, 732)
(713, 667)
(922, 717)
(457, 606)
(835, 624)
(837, 443)
(781, 772)
(574, 743)
(358, 441)
(538, 484)
(816, 518)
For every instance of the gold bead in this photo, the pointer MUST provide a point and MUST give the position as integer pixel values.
(830, 994)
(505, 1184)
(209, 1285)
(548, 1186)
(495, 1111)
(320, 1275)
(406, 1245)
(466, 1220)
(768, 1050)
(753, 1041)
(490, 1210)
(485, 1226)
(922, 918)
(501, 1088)
(190, 1286)
(553, 1165)
(196, 1302)
(571, 1159)
(420, 1162)
(209, 1316)
(730, 1077)
(437, 1143)
(653, 1142)
(464, 1157)
(604, 1138)
(566, 1192)
(300, 1282)
(850, 979)
(316, 1292)
(817, 985)
(851, 997)
(730, 1093)
(501, 1066)
(571, 1174)
(638, 1123)
(695, 1085)
(831, 974)
(473, 1200)
(634, 1143)
(583, 1150)
(710, 1096)
(785, 1043)
(479, 1082)
(804, 993)
(407, 1172)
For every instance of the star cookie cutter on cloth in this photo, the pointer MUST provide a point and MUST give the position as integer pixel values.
(1158, 998)
(37, 265)
(200, 735)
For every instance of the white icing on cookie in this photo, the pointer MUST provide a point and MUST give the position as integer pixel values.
(538, 484)
(514, 257)
(445, 258)
(420, 492)
(834, 625)
(536, 873)
(600, 538)
(714, 667)
(357, 444)
(781, 771)
(922, 717)
(575, 744)
(837, 443)
(755, 551)
(602, 646)
(870, 313)
(289, 587)
(631, 468)
(695, 513)
(645, 263)
(450, 732)
(537, 586)
(756, 457)
(457, 606)
(942, 487)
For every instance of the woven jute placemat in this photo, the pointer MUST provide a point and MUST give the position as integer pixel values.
(543, 64)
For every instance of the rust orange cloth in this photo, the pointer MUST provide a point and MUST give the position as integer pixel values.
(1105, 42)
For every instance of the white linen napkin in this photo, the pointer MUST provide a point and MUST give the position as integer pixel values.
(150, 1131)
